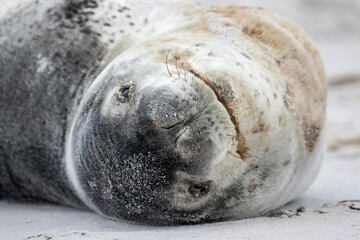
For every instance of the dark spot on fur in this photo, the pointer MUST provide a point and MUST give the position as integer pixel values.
(128, 16)
(131, 23)
(275, 96)
(123, 9)
(278, 62)
(76, 11)
(286, 163)
(245, 55)
(84, 30)
(259, 128)
(107, 24)
(286, 102)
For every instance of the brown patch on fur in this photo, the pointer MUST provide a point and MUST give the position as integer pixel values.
(256, 31)
(311, 135)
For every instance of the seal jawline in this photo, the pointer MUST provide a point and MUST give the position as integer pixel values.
(241, 148)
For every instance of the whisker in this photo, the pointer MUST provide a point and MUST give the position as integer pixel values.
(167, 66)
(210, 81)
(234, 155)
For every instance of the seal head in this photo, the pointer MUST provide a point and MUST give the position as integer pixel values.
(202, 123)
(144, 141)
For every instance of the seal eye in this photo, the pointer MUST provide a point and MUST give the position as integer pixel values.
(125, 93)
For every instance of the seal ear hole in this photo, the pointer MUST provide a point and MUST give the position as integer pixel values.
(125, 93)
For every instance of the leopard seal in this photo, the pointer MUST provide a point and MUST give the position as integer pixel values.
(203, 114)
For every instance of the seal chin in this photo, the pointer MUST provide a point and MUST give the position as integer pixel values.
(145, 150)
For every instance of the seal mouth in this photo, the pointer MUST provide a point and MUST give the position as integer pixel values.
(241, 149)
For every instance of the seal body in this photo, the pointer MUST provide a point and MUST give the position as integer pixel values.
(204, 115)
(50, 53)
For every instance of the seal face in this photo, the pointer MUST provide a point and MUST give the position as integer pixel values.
(217, 114)
(140, 138)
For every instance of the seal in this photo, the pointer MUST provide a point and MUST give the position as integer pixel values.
(206, 114)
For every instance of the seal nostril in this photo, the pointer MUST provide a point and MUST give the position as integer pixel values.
(199, 189)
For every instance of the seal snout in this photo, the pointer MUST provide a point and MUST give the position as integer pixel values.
(146, 153)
